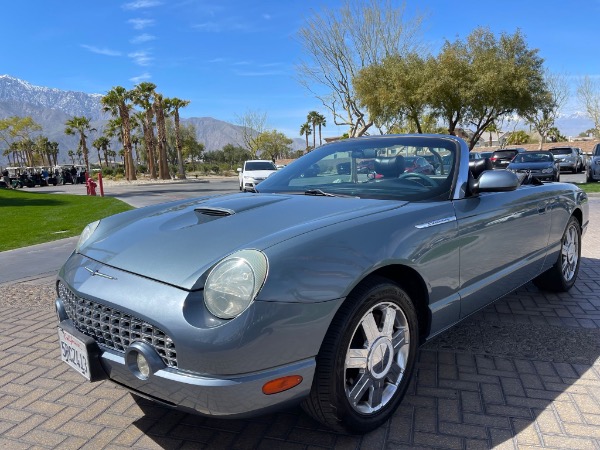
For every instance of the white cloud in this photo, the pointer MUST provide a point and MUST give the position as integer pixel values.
(140, 24)
(139, 4)
(140, 39)
(267, 16)
(101, 51)
(229, 24)
(142, 77)
(141, 58)
(209, 27)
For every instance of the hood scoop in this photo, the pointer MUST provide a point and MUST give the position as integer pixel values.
(214, 212)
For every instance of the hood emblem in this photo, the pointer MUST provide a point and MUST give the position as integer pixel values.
(100, 274)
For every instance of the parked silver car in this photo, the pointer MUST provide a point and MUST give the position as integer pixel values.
(318, 288)
(593, 167)
(568, 158)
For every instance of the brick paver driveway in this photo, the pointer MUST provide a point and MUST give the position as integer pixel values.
(524, 372)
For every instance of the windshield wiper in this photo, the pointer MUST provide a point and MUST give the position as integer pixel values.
(319, 192)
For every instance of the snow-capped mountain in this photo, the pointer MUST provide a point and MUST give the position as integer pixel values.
(72, 103)
(574, 122)
(51, 108)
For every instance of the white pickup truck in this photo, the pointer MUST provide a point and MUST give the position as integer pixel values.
(253, 172)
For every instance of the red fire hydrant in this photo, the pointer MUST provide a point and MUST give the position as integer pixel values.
(91, 186)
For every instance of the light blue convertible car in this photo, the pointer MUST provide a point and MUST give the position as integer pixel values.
(319, 288)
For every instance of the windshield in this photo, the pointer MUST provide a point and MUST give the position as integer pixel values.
(533, 157)
(561, 151)
(260, 165)
(387, 167)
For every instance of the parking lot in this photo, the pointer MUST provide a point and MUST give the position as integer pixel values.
(524, 372)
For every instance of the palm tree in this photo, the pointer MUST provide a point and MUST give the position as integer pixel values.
(160, 108)
(71, 154)
(313, 117)
(305, 131)
(116, 101)
(79, 125)
(321, 122)
(54, 152)
(142, 95)
(176, 103)
(102, 143)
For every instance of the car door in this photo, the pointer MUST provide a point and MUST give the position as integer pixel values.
(503, 238)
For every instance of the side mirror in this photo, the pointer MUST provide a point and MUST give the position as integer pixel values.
(495, 181)
(239, 169)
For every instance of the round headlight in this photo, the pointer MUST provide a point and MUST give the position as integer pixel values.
(233, 283)
(86, 234)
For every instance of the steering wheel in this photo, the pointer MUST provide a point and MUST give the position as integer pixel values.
(417, 177)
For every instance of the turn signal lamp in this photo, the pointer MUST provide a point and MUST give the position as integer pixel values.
(281, 384)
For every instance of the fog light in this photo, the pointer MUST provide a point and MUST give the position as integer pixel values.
(142, 360)
(143, 366)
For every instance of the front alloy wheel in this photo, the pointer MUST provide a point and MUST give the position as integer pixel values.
(366, 359)
(376, 358)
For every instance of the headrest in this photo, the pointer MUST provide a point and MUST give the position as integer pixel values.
(478, 166)
(389, 167)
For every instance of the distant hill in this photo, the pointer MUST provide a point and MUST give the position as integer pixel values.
(51, 108)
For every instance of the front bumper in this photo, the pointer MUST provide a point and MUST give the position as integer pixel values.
(570, 165)
(252, 183)
(217, 367)
(234, 396)
(538, 174)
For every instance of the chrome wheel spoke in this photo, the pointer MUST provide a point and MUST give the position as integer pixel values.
(376, 394)
(358, 390)
(395, 373)
(399, 340)
(389, 317)
(357, 358)
(370, 328)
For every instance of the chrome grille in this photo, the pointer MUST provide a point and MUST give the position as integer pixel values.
(114, 329)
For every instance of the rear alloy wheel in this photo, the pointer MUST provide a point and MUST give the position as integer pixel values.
(366, 360)
(562, 275)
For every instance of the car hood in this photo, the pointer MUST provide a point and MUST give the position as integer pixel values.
(258, 173)
(530, 165)
(177, 243)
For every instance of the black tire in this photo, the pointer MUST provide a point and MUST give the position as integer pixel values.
(562, 275)
(588, 177)
(376, 378)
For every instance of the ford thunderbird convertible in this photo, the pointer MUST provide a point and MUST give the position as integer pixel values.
(318, 287)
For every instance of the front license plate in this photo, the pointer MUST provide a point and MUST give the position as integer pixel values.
(74, 352)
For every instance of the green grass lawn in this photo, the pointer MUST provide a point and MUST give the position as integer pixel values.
(28, 218)
(589, 187)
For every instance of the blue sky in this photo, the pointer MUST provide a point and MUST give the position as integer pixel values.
(231, 56)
